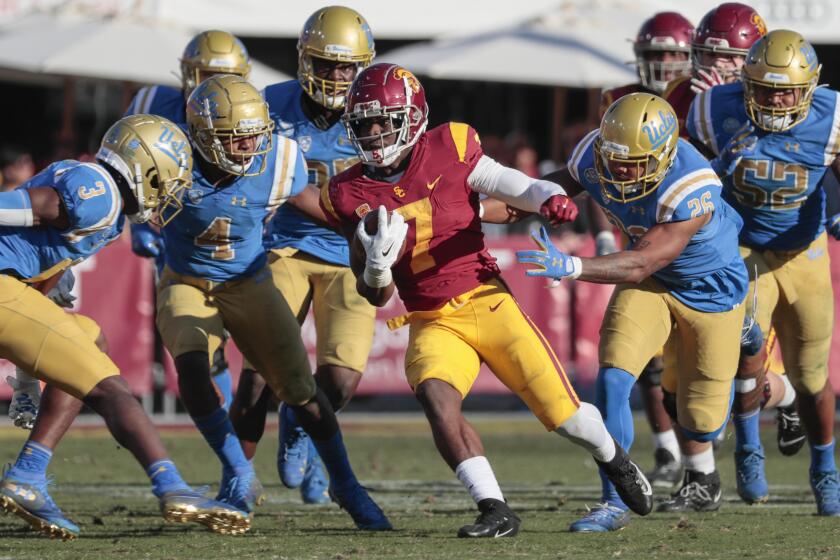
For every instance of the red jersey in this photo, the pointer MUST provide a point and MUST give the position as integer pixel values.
(610, 95)
(679, 95)
(445, 254)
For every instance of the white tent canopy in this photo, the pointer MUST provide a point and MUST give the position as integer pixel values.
(817, 20)
(575, 44)
(109, 49)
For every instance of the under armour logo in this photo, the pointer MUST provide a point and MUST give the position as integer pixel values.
(240, 201)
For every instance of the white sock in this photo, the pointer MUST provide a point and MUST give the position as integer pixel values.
(703, 462)
(667, 440)
(477, 475)
(790, 393)
(586, 428)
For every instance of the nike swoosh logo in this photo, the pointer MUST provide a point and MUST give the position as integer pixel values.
(434, 183)
(495, 307)
(385, 252)
(788, 443)
(498, 534)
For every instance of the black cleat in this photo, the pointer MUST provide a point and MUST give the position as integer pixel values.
(667, 471)
(789, 433)
(699, 492)
(630, 482)
(495, 520)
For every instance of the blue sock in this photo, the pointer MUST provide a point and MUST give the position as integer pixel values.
(822, 458)
(32, 462)
(335, 459)
(288, 417)
(165, 478)
(612, 397)
(746, 430)
(224, 383)
(218, 430)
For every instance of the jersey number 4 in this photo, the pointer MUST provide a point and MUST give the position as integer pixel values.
(217, 236)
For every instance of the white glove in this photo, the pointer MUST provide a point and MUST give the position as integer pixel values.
(61, 294)
(25, 400)
(383, 248)
(605, 244)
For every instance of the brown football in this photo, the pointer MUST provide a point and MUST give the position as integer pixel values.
(371, 221)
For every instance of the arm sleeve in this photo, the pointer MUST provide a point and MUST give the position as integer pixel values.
(513, 187)
(15, 208)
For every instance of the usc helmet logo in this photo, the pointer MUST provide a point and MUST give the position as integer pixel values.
(413, 83)
(756, 20)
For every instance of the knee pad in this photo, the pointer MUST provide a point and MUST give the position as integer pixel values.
(669, 401)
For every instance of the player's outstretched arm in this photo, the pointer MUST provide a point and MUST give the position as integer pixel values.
(516, 189)
(308, 202)
(32, 207)
(656, 249)
(497, 212)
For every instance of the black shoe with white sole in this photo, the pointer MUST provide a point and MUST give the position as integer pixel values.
(495, 520)
(699, 492)
(789, 433)
(630, 482)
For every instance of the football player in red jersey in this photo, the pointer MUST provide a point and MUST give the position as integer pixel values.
(424, 187)
(662, 48)
(718, 50)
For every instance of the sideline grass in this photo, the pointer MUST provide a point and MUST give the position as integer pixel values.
(546, 480)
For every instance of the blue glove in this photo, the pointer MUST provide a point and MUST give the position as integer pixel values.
(742, 143)
(832, 224)
(550, 261)
(146, 242)
(62, 293)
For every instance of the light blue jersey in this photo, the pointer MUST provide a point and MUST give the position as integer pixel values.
(94, 208)
(328, 152)
(776, 189)
(163, 101)
(218, 235)
(709, 275)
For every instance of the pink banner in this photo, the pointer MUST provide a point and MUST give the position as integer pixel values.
(115, 289)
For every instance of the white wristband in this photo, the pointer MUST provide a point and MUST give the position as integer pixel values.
(578, 267)
(377, 277)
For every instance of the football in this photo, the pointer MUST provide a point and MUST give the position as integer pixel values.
(371, 222)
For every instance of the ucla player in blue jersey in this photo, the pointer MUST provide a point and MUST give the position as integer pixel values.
(61, 216)
(309, 261)
(216, 279)
(207, 54)
(680, 282)
(775, 134)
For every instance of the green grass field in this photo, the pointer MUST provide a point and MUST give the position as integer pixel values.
(546, 480)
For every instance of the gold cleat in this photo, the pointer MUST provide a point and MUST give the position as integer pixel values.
(190, 507)
(14, 496)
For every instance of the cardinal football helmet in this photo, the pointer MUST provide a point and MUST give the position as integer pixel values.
(221, 109)
(335, 34)
(154, 157)
(639, 130)
(730, 29)
(664, 32)
(213, 52)
(781, 60)
(386, 91)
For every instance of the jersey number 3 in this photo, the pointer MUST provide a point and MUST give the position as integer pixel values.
(217, 235)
